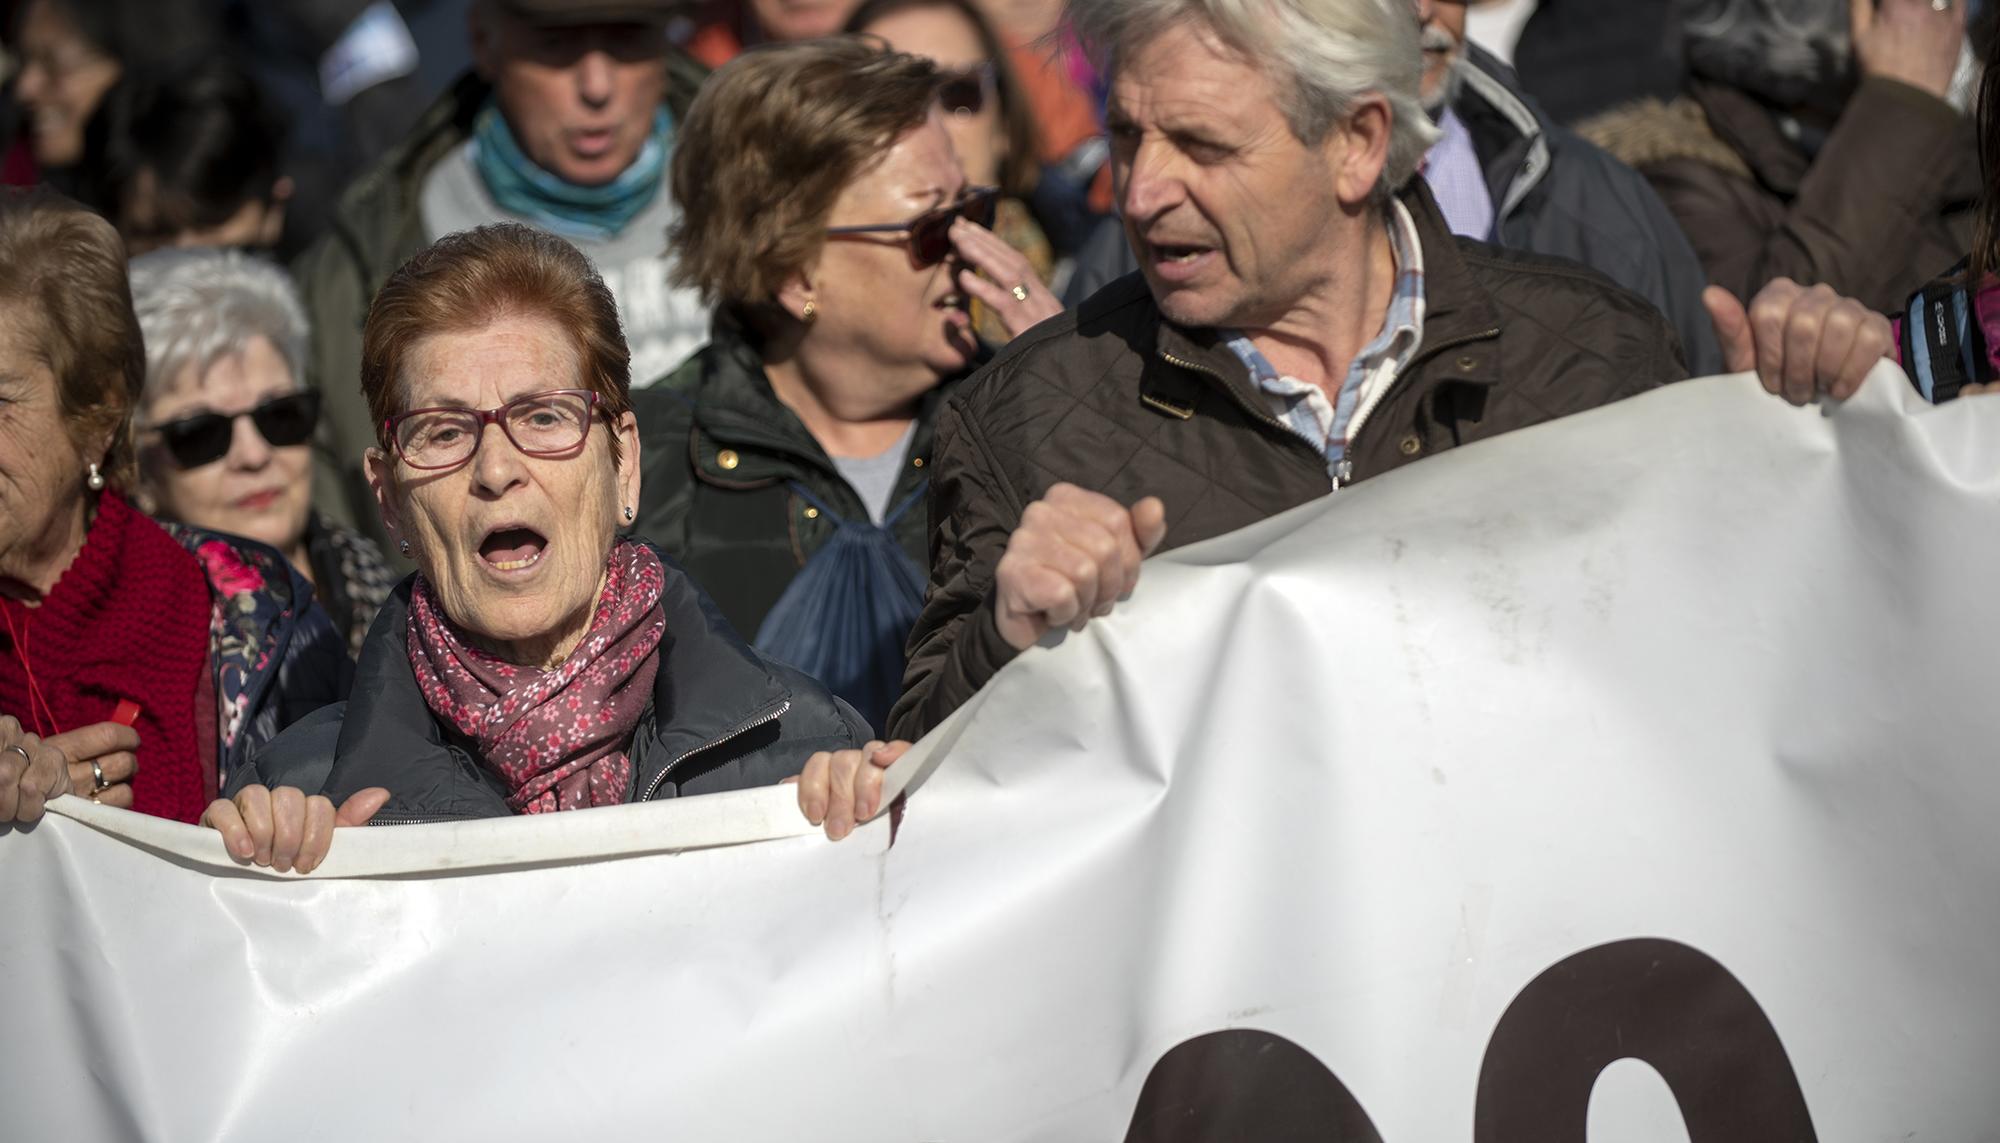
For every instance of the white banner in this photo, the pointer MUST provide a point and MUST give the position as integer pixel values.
(1630, 778)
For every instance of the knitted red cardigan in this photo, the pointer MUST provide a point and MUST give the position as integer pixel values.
(129, 619)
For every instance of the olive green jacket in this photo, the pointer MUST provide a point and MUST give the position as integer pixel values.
(378, 226)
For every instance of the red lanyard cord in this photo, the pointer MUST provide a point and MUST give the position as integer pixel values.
(34, 688)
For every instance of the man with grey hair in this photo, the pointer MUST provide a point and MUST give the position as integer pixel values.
(1503, 172)
(1302, 320)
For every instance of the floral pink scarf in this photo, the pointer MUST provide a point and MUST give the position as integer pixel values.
(560, 738)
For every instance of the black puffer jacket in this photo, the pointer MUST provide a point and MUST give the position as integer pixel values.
(722, 718)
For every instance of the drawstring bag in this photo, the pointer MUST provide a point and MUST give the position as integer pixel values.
(846, 614)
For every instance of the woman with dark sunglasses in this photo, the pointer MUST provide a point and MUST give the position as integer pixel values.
(154, 658)
(827, 215)
(986, 113)
(226, 427)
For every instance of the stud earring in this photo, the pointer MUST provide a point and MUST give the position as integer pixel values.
(403, 546)
(95, 481)
(809, 312)
(628, 513)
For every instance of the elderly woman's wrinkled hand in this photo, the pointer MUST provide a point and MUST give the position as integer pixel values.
(102, 761)
(31, 774)
(1000, 276)
(284, 828)
(842, 788)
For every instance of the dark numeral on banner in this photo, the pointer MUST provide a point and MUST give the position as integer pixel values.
(1660, 1002)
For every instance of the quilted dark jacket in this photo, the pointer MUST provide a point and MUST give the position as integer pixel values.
(1113, 398)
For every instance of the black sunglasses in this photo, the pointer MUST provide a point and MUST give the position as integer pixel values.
(930, 232)
(204, 438)
(965, 92)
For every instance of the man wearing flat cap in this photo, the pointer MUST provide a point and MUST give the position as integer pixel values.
(565, 123)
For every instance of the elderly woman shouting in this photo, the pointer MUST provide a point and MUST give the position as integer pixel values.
(825, 211)
(535, 662)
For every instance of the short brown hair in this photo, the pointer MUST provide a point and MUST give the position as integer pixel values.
(769, 144)
(67, 266)
(468, 280)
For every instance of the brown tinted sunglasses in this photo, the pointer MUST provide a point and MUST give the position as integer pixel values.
(930, 232)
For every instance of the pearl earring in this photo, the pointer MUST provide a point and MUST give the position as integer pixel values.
(95, 481)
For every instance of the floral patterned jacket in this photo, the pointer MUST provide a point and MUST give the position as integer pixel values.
(275, 655)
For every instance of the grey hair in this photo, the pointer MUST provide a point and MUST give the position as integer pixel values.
(1325, 55)
(197, 306)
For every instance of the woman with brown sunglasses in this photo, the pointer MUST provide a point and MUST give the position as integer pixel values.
(986, 113)
(826, 213)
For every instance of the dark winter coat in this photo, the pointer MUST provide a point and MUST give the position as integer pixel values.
(722, 718)
(718, 456)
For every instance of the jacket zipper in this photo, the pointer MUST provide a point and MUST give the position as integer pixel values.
(769, 716)
(380, 820)
(1345, 469)
(1262, 415)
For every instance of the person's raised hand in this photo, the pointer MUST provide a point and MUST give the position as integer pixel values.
(1911, 41)
(1074, 554)
(31, 774)
(111, 746)
(1000, 276)
(1800, 341)
(284, 828)
(843, 788)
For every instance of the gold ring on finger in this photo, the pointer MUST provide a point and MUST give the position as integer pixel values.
(1021, 293)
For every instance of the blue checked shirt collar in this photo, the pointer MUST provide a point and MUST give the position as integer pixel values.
(1306, 409)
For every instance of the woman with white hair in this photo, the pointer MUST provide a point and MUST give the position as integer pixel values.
(225, 426)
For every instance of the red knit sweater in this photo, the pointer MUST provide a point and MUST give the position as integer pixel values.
(129, 619)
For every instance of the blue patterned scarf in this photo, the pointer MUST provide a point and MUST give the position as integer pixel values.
(590, 213)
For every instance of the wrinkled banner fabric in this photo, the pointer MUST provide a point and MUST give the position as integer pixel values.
(1631, 778)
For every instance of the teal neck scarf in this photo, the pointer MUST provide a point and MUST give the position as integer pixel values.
(589, 213)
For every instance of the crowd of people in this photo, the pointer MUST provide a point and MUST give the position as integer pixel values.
(702, 396)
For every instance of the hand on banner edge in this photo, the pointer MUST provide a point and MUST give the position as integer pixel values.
(837, 791)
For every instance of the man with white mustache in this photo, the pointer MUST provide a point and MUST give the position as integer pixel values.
(1505, 172)
(1302, 319)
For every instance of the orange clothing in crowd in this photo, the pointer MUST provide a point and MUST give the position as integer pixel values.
(1064, 114)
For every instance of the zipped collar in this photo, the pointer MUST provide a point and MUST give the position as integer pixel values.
(710, 688)
(734, 408)
(1457, 312)
(1518, 162)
